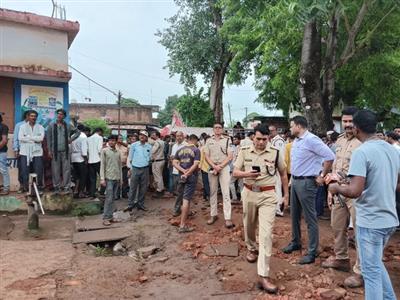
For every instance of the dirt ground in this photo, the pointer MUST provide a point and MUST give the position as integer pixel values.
(46, 265)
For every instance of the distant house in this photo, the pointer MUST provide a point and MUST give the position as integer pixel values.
(336, 115)
(132, 119)
(281, 123)
(34, 64)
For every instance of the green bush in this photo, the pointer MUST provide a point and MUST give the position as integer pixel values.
(97, 123)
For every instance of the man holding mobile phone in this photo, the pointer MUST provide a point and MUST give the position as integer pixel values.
(258, 165)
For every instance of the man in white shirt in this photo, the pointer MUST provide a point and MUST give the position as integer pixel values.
(278, 143)
(235, 151)
(95, 144)
(30, 137)
(248, 140)
(79, 153)
(393, 139)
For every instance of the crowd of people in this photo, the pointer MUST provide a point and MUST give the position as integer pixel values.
(355, 174)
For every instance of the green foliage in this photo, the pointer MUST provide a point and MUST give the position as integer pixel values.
(194, 44)
(165, 114)
(102, 251)
(194, 110)
(266, 36)
(97, 123)
(129, 102)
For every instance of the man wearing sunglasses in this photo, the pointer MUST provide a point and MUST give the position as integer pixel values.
(218, 154)
(258, 165)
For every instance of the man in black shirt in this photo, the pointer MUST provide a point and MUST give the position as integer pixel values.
(3, 157)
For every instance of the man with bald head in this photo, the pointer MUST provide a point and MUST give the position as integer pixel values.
(279, 143)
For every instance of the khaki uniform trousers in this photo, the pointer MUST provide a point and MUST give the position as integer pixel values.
(157, 168)
(340, 219)
(278, 191)
(224, 179)
(259, 206)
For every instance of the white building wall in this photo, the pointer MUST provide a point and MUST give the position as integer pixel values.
(23, 45)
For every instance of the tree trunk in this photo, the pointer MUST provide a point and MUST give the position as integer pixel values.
(310, 83)
(218, 78)
(217, 87)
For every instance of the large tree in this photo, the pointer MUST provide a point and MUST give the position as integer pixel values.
(194, 109)
(326, 50)
(196, 47)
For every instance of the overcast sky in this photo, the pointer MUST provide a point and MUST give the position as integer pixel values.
(117, 47)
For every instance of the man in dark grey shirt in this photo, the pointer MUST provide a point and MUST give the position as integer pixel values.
(58, 145)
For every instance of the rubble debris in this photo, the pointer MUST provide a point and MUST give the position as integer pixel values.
(161, 259)
(121, 216)
(143, 279)
(334, 294)
(119, 249)
(145, 252)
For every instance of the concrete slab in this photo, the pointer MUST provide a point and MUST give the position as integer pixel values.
(230, 249)
(93, 224)
(103, 235)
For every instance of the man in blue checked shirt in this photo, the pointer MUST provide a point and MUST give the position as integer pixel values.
(308, 154)
(138, 163)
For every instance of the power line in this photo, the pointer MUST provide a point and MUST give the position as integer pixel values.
(147, 75)
(127, 69)
(94, 81)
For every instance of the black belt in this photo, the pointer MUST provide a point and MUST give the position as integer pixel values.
(158, 160)
(303, 177)
(140, 167)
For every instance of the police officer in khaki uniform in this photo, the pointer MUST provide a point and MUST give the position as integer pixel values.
(157, 163)
(258, 164)
(218, 154)
(342, 212)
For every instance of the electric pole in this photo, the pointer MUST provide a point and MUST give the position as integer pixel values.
(230, 117)
(119, 111)
(247, 121)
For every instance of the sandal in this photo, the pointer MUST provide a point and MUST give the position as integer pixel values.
(106, 223)
(229, 224)
(185, 229)
(212, 220)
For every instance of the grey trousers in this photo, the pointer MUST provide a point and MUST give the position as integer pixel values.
(139, 182)
(111, 190)
(179, 197)
(302, 198)
(61, 166)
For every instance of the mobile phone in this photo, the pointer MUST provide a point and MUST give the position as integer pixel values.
(256, 168)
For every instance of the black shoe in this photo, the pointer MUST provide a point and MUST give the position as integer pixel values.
(128, 209)
(307, 259)
(290, 248)
(142, 208)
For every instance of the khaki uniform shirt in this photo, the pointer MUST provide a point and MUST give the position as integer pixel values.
(344, 149)
(157, 151)
(218, 150)
(278, 142)
(248, 156)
